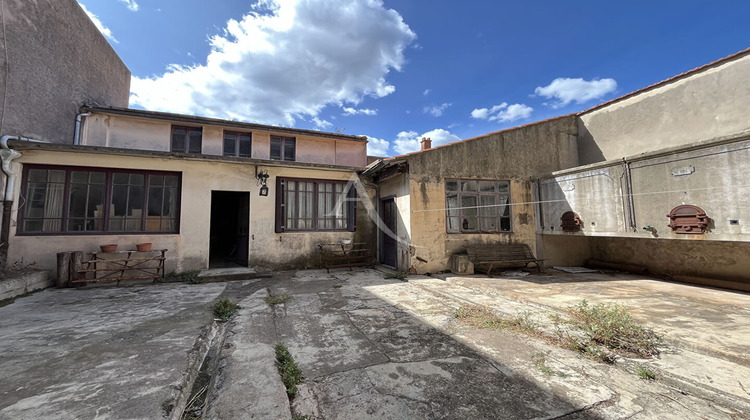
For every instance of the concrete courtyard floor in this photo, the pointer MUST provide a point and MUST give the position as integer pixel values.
(369, 347)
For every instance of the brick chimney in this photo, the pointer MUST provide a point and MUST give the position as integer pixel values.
(426, 143)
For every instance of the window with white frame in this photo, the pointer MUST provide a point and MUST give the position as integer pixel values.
(477, 206)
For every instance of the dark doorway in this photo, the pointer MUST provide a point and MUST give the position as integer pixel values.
(388, 244)
(230, 222)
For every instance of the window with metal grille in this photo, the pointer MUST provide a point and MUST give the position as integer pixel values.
(71, 200)
(475, 206)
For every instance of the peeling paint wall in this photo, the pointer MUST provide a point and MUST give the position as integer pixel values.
(705, 105)
(190, 248)
(513, 155)
(139, 133)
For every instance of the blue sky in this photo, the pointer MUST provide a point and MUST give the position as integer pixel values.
(399, 70)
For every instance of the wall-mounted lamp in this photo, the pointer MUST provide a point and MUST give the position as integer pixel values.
(262, 178)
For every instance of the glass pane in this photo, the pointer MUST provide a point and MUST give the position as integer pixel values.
(468, 185)
(56, 176)
(487, 186)
(489, 224)
(97, 177)
(119, 200)
(156, 180)
(451, 185)
(503, 208)
(155, 201)
(178, 139)
(96, 201)
(79, 177)
(289, 149)
(32, 225)
(116, 223)
(453, 224)
(38, 175)
(489, 206)
(120, 179)
(275, 148)
(170, 202)
(136, 179)
(170, 180)
(195, 141)
(229, 145)
(469, 213)
(505, 224)
(135, 201)
(245, 145)
(77, 200)
(503, 187)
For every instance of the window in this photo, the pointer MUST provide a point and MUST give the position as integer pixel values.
(96, 200)
(477, 206)
(282, 148)
(237, 144)
(313, 205)
(187, 139)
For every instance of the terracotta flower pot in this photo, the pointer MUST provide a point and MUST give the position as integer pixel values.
(108, 247)
(144, 247)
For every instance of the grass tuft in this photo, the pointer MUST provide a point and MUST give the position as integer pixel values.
(613, 327)
(482, 317)
(401, 275)
(645, 373)
(190, 277)
(291, 375)
(225, 308)
(272, 299)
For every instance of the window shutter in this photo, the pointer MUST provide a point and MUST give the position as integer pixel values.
(280, 204)
(351, 196)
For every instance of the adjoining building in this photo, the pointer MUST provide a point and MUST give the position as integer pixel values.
(655, 178)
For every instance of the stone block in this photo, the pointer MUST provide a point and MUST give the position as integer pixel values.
(461, 264)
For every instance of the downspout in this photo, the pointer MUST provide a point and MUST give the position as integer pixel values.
(629, 195)
(79, 121)
(7, 155)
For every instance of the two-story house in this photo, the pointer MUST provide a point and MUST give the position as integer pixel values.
(213, 192)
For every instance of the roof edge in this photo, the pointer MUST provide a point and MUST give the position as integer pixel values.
(669, 80)
(217, 121)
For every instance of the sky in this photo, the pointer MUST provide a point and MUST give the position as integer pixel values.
(399, 70)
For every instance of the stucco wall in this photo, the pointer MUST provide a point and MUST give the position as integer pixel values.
(188, 249)
(397, 187)
(130, 132)
(513, 155)
(57, 61)
(708, 104)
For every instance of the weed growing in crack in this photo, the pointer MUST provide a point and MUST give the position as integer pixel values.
(190, 277)
(644, 372)
(482, 317)
(225, 308)
(272, 299)
(291, 375)
(540, 361)
(401, 275)
(613, 327)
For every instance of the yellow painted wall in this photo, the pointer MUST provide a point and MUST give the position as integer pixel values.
(190, 248)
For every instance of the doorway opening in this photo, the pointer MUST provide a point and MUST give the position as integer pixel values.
(388, 243)
(230, 224)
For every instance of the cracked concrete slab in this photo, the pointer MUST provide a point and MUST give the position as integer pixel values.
(107, 352)
(377, 348)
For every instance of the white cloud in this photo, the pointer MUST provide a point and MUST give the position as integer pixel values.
(132, 5)
(284, 60)
(362, 111)
(99, 25)
(426, 92)
(409, 141)
(436, 110)
(377, 147)
(566, 90)
(322, 124)
(503, 112)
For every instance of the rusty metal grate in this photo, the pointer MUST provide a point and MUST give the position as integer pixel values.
(571, 222)
(688, 219)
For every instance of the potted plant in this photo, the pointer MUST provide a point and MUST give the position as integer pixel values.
(109, 248)
(144, 247)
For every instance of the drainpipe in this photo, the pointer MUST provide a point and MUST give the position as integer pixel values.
(7, 155)
(77, 135)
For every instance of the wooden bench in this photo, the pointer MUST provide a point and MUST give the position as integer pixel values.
(502, 255)
(345, 255)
